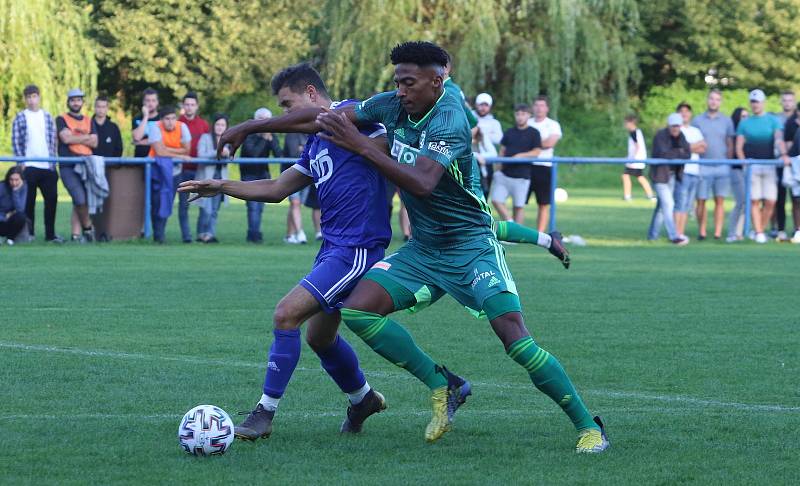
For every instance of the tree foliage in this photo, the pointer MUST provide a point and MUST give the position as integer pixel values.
(216, 47)
(46, 43)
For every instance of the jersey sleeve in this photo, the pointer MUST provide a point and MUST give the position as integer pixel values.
(376, 109)
(443, 142)
(303, 164)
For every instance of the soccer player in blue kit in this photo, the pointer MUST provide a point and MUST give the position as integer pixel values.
(356, 231)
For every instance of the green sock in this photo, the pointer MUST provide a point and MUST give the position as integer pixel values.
(393, 342)
(517, 233)
(551, 379)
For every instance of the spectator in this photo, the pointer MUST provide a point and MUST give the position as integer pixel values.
(143, 123)
(637, 150)
(402, 215)
(487, 136)
(109, 139)
(794, 152)
(257, 145)
(756, 138)
(669, 143)
(541, 177)
(169, 139)
(197, 128)
(312, 203)
(209, 206)
(520, 141)
(717, 130)
(686, 187)
(77, 137)
(736, 218)
(293, 146)
(778, 221)
(33, 134)
(12, 204)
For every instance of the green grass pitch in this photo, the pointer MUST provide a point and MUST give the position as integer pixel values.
(690, 355)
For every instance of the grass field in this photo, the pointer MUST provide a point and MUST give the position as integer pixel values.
(690, 355)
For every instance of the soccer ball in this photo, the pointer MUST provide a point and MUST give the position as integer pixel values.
(561, 195)
(206, 430)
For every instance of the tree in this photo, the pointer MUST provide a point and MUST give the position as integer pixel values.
(216, 47)
(46, 44)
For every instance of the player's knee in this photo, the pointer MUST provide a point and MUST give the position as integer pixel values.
(510, 327)
(283, 318)
(318, 341)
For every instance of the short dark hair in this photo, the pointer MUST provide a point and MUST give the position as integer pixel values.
(297, 77)
(101, 98)
(542, 97)
(522, 107)
(787, 92)
(30, 89)
(683, 104)
(167, 110)
(631, 117)
(420, 53)
(149, 91)
(191, 95)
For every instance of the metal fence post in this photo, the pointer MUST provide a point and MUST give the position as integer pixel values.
(748, 170)
(148, 226)
(553, 185)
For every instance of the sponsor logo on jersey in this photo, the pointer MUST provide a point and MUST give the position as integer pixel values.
(404, 153)
(322, 167)
(422, 138)
(399, 132)
(441, 148)
(382, 265)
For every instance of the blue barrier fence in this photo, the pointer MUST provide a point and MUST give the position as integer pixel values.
(147, 162)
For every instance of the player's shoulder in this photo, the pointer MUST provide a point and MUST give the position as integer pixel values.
(385, 99)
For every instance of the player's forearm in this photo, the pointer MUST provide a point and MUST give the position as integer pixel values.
(300, 121)
(406, 177)
(263, 190)
(517, 233)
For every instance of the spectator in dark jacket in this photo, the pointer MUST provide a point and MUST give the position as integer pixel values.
(109, 140)
(669, 143)
(12, 204)
(257, 145)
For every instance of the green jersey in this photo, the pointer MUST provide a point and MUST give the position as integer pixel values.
(451, 87)
(455, 213)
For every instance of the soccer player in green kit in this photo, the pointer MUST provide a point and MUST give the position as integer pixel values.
(453, 249)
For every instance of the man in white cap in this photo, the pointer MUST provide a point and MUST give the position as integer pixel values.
(756, 138)
(669, 143)
(486, 138)
(257, 145)
(77, 136)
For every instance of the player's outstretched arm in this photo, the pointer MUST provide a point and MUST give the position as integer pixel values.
(300, 121)
(517, 233)
(419, 179)
(264, 190)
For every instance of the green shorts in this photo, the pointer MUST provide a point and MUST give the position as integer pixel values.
(417, 276)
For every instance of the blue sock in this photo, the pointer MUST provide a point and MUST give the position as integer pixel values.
(341, 362)
(283, 357)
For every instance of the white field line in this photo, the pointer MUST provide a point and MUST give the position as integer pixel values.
(685, 400)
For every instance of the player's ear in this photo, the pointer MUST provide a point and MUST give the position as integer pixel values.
(311, 91)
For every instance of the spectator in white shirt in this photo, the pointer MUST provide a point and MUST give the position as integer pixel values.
(486, 137)
(686, 190)
(541, 177)
(637, 150)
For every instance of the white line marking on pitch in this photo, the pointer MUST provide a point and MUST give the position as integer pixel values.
(701, 402)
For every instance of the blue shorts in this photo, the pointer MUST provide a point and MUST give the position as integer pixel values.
(685, 191)
(336, 271)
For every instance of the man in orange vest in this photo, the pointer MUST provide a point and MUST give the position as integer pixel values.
(169, 139)
(76, 138)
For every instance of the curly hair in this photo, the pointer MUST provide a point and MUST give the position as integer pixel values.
(420, 53)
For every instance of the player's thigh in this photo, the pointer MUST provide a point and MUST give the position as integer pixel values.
(402, 280)
(294, 308)
(321, 330)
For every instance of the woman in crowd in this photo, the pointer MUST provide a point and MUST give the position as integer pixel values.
(12, 204)
(209, 206)
(736, 218)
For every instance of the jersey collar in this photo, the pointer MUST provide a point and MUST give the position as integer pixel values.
(427, 115)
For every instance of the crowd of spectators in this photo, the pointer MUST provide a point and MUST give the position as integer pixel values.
(175, 137)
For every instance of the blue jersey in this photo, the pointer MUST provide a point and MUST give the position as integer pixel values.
(352, 193)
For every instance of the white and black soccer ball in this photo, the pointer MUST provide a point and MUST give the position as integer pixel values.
(206, 430)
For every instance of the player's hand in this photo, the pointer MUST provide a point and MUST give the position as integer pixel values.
(558, 250)
(340, 130)
(232, 139)
(206, 188)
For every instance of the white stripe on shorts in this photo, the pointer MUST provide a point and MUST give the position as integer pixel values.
(359, 262)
